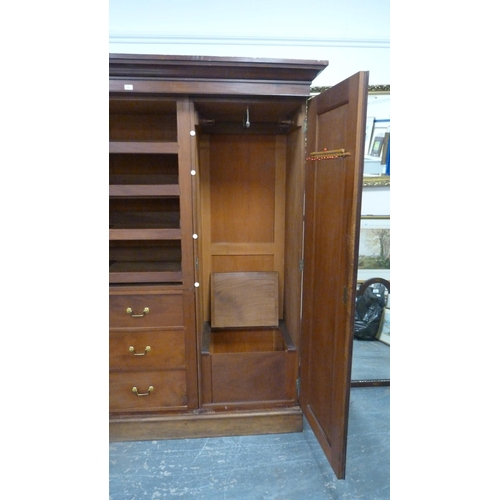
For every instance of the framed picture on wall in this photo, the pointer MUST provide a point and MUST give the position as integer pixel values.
(377, 146)
(374, 258)
(379, 138)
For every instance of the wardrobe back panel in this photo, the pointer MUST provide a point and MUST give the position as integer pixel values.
(242, 206)
(242, 188)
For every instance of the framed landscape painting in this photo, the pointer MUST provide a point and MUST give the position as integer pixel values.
(374, 260)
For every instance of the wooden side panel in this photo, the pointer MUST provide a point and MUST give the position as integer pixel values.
(204, 232)
(292, 305)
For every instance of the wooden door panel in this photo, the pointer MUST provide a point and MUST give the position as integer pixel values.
(336, 120)
(331, 128)
(324, 312)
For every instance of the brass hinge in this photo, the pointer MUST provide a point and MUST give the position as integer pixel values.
(301, 264)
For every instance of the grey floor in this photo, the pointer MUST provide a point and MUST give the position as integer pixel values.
(370, 360)
(278, 466)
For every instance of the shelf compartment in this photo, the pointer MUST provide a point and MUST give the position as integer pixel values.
(134, 125)
(158, 216)
(141, 261)
(151, 168)
(143, 175)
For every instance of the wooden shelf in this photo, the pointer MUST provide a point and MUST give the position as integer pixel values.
(145, 234)
(143, 179)
(143, 147)
(145, 272)
(127, 190)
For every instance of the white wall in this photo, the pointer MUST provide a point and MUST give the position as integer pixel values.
(376, 201)
(352, 35)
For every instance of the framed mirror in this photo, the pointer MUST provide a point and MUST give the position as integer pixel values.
(371, 358)
(371, 344)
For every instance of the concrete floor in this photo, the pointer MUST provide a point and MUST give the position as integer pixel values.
(278, 466)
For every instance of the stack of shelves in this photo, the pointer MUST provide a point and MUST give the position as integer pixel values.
(144, 211)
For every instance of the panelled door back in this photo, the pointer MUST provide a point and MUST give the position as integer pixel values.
(333, 184)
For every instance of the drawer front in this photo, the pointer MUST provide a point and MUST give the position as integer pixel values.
(147, 350)
(145, 310)
(168, 390)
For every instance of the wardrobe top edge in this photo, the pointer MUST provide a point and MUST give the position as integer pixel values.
(214, 67)
(201, 60)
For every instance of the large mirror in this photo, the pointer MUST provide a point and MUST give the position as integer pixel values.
(371, 358)
(371, 344)
(371, 355)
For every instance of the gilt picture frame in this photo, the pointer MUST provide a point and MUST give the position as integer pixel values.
(374, 254)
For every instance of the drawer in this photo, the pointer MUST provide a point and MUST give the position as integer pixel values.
(147, 350)
(145, 310)
(169, 390)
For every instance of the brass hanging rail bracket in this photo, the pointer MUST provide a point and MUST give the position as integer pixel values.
(328, 154)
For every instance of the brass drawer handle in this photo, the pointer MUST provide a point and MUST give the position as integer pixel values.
(129, 311)
(150, 390)
(132, 350)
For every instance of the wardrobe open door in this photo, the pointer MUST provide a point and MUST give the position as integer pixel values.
(333, 187)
